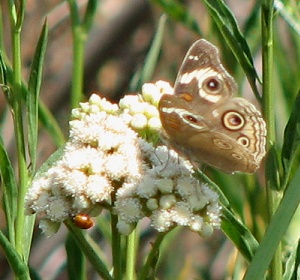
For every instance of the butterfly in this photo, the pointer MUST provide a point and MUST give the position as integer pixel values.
(205, 122)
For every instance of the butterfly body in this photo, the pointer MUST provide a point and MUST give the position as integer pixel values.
(204, 122)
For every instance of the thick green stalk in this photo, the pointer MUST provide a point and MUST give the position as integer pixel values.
(269, 114)
(18, 125)
(131, 255)
(19, 133)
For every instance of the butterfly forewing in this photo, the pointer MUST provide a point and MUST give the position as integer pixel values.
(201, 74)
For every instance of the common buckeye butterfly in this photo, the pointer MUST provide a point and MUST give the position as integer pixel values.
(204, 121)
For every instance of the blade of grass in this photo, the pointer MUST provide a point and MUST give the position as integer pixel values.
(50, 124)
(4, 80)
(152, 58)
(31, 97)
(291, 140)
(275, 231)
(149, 268)
(45, 116)
(232, 227)
(75, 259)
(292, 263)
(20, 12)
(10, 191)
(89, 15)
(19, 268)
(89, 251)
(239, 234)
(229, 28)
(34, 87)
(286, 13)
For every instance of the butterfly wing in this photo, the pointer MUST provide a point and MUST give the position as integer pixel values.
(232, 139)
(242, 122)
(202, 80)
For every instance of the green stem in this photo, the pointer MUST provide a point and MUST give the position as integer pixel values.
(19, 132)
(131, 255)
(90, 250)
(116, 248)
(267, 86)
(268, 106)
(79, 38)
(80, 29)
(152, 259)
(78, 54)
(19, 268)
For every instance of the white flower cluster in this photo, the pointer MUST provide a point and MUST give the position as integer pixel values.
(140, 111)
(168, 194)
(101, 153)
(105, 163)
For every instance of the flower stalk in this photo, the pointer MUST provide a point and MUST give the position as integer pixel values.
(80, 29)
(267, 14)
(16, 20)
(131, 258)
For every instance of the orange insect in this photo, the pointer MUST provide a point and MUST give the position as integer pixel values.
(83, 221)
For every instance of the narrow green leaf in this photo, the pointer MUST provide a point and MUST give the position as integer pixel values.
(89, 251)
(291, 140)
(9, 191)
(243, 239)
(179, 12)
(4, 79)
(232, 227)
(229, 28)
(50, 161)
(18, 266)
(45, 117)
(34, 274)
(89, 15)
(149, 268)
(74, 12)
(286, 12)
(272, 168)
(152, 57)
(275, 231)
(29, 222)
(75, 259)
(34, 86)
(51, 125)
(252, 21)
(292, 263)
(297, 263)
(20, 15)
(3, 70)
